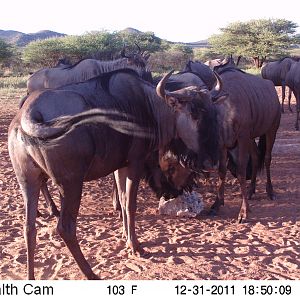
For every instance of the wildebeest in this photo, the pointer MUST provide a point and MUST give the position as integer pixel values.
(86, 69)
(64, 73)
(248, 108)
(276, 71)
(57, 135)
(194, 74)
(203, 71)
(293, 81)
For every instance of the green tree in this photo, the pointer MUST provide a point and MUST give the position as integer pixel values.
(258, 39)
(97, 44)
(44, 52)
(175, 57)
(204, 54)
(147, 41)
(5, 51)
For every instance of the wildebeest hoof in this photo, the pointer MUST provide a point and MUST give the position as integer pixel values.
(93, 276)
(242, 219)
(140, 252)
(272, 197)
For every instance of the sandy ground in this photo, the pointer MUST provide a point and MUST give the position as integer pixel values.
(267, 247)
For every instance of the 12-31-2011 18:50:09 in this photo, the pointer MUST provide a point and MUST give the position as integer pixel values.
(267, 289)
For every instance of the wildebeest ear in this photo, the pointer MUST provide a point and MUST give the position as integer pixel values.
(178, 103)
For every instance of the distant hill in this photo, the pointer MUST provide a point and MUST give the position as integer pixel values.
(131, 30)
(199, 44)
(21, 39)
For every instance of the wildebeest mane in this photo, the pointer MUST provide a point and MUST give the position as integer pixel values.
(229, 69)
(69, 67)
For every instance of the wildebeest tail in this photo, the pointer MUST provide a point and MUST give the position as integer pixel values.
(261, 152)
(56, 128)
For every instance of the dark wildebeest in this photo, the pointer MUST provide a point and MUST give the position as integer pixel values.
(276, 71)
(56, 135)
(203, 71)
(64, 74)
(248, 108)
(293, 81)
(51, 78)
(207, 81)
(194, 74)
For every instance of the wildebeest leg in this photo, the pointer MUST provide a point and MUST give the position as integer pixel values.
(53, 209)
(221, 184)
(282, 96)
(120, 182)
(289, 99)
(30, 191)
(297, 95)
(254, 161)
(243, 150)
(70, 202)
(270, 139)
(115, 197)
(127, 180)
(29, 179)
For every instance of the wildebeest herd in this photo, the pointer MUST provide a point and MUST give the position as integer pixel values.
(85, 121)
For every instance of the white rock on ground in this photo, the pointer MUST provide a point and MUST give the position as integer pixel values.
(185, 205)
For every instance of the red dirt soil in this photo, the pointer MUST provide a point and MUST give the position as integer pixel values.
(267, 247)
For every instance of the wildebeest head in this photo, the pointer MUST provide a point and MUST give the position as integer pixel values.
(179, 177)
(196, 116)
(139, 59)
(160, 182)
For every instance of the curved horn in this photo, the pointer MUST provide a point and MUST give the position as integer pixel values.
(218, 86)
(160, 88)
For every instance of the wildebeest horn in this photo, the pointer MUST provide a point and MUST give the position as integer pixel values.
(218, 87)
(160, 88)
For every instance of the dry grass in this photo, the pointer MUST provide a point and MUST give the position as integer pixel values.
(13, 82)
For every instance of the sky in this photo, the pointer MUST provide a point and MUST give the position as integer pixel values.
(178, 21)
